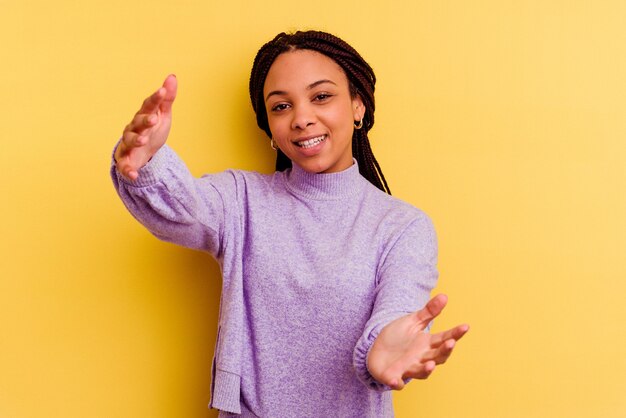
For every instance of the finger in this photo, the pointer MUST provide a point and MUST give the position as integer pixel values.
(133, 175)
(432, 309)
(440, 354)
(126, 169)
(455, 333)
(130, 171)
(141, 122)
(397, 384)
(420, 370)
(151, 104)
(171, 87)
(132, 140)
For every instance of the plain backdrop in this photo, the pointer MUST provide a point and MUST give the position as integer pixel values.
(504, 120)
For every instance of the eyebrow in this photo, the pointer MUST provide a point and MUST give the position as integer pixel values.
(309, 87)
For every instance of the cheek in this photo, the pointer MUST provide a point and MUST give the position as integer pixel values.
(279, 128)
(271, 122)
(274, 126)
(342, 120)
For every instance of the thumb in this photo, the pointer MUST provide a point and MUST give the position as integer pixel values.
(432, 309)
(397, 383)
(171, 87)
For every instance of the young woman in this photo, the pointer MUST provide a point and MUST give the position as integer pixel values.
(326, 277)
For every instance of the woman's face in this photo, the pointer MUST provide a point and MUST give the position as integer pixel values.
(310, 112)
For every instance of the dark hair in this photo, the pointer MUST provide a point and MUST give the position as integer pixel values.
(361, 81)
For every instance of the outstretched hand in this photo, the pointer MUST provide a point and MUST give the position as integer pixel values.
(148, 130)
(403, 350)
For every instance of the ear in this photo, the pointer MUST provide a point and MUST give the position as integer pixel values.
(358, 108)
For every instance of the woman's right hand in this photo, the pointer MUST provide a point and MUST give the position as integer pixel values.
(148, 130)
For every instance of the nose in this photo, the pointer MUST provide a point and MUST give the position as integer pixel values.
(303, 116)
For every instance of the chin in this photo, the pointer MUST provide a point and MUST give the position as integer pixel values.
(313, 167)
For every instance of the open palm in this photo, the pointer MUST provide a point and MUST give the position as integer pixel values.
(148, 130)
(404, 350)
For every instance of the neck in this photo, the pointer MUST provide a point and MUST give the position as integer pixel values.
(325, 186)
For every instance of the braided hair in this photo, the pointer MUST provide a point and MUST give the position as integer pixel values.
(361, 80)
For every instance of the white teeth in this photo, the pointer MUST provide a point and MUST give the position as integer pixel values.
(311, 142)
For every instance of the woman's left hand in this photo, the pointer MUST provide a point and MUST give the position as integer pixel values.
(404, 350)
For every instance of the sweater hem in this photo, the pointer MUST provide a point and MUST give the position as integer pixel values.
(226, 392)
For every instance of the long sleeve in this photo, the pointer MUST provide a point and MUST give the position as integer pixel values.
(175, 206)
(407, 273)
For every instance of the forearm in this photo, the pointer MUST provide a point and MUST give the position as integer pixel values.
(170, 203)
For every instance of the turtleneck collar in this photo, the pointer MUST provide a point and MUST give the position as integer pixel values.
(331, 186)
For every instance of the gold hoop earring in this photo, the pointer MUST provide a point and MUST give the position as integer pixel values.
(359, 125)
(273, 144)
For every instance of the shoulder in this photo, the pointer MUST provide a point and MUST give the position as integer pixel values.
(407, 236)
(394, 210)
(400, 226)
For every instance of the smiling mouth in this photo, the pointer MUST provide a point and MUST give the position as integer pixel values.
(309, 143)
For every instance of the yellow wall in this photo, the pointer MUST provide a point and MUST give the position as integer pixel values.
(504, 120)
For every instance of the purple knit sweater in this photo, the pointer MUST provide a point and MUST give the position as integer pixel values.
(314, 266)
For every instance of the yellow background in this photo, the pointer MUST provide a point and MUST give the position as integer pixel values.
(504, 120)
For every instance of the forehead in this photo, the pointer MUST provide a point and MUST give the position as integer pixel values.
(300, 68)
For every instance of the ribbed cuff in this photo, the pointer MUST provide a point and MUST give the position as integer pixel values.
(361, 352)
(150, 173)
(226, 392)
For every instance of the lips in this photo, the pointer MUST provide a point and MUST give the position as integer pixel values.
(310, 142)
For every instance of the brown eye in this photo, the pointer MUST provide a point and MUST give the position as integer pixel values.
(280, 107)
(322, 96)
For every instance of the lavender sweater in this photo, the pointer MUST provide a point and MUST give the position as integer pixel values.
(314, 266)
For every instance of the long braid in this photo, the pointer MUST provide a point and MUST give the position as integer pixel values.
(361, 80)
(368, 165)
